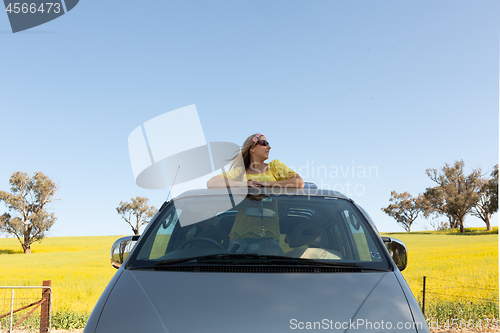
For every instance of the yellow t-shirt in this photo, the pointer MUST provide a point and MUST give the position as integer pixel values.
(276, 170)
(251, 227)
(255, 227)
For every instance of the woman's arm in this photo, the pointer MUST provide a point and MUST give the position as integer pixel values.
(295, 181)
(217, 181)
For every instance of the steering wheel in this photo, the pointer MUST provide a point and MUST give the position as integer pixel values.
(200, 239)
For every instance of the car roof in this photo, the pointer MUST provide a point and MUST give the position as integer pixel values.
(263, 190)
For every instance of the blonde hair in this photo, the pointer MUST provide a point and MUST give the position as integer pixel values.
(242, 158)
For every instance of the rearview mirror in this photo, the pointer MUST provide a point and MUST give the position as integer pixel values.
(121, 249)
(256, 212)
(397, 250)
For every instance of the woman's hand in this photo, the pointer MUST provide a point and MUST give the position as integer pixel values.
(294, 182)
(255, 183)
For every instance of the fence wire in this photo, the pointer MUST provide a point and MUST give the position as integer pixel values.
(21, 307)
(440, 292)
(454, 285)
(461, 296)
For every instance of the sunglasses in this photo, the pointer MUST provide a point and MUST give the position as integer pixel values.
(262, 143)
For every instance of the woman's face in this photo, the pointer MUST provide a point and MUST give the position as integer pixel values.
(259, 152)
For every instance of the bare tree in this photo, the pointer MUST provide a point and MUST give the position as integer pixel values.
(404, 208)
(136, 213)
(28, 199)
(439, 225)
(487, 203)
(455, 194)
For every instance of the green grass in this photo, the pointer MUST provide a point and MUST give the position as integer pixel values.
(467, 231)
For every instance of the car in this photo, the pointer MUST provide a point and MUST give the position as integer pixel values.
(258, 260)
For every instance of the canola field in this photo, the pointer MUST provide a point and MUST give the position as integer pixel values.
(461, 273)
(79, 268)
(456, 265)
(459, 268)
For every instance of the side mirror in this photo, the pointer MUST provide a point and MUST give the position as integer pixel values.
(121, 249)
(397, 249)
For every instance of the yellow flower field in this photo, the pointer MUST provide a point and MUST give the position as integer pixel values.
(457, 266)
(461, 274)
(80, 269)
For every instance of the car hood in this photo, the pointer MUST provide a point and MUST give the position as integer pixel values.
(165, 301)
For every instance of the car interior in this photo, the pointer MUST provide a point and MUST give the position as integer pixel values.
(319, 229)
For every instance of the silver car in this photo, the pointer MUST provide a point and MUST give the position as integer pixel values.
(261, 260)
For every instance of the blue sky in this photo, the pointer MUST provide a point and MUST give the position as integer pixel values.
(396, 86)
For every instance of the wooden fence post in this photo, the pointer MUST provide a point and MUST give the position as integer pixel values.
(423, 299)
(45, 309)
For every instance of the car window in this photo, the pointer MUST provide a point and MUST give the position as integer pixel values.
(365, 251)
(162, 236)
(292, 226)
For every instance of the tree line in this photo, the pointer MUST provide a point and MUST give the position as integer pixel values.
(455, 195)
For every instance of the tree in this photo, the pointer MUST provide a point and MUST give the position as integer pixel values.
(455, 194)
(487, 203)
(28, 199)
(404, 208)
(439, 225)
(138, 208)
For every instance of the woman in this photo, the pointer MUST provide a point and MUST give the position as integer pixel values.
(252, 234)
(256, 173)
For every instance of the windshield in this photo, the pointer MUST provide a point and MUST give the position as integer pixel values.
(288, 227)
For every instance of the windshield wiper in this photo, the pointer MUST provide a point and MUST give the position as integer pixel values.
(258, 259)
